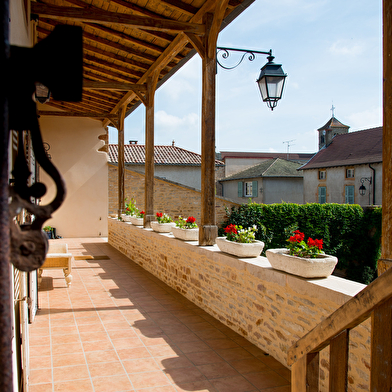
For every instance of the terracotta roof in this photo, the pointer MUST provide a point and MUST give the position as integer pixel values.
(354, 148)
(333, 123)
(134, 154)
(266, 155)
(270, 168)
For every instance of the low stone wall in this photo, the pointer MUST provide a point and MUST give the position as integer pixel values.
(270, 308)
(170, 197)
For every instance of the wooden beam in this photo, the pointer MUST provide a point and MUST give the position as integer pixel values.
(349, 315)
(181, 6)
(338, 360)
(76, 114)
(149, 23)
(149, 163)
(197, 43)
(113, 86)
(121, 166)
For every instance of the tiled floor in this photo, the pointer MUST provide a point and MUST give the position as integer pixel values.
(118, 328)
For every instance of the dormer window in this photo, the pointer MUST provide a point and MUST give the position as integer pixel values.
(322, 174)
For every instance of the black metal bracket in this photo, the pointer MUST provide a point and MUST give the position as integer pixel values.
(224, 53)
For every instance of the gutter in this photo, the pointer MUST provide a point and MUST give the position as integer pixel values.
(374, 184)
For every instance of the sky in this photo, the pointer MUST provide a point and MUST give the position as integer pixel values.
(332, 53)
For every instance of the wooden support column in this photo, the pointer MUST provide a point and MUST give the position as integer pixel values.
(208, 229)
(120, 168)
(6, 381)
(152, 81)
(386, 253)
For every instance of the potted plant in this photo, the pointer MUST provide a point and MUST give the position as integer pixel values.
(186, 229)
(240, 242)
(48, 231)
(302, 258)
(138, 218)
(130, 210)
(163, 224)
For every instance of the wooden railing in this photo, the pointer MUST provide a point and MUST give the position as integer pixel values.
(374, 301)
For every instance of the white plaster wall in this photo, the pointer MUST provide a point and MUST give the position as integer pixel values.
(20, 26)
(336, 182)
(74, 148)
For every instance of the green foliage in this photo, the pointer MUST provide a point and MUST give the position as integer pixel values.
(348, 232)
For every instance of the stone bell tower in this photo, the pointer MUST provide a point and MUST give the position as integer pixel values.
(332, 128)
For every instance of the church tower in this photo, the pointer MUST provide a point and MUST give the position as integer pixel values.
(332, 128)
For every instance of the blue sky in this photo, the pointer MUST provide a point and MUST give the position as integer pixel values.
(332, 53)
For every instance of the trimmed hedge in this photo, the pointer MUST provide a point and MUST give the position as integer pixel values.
(350, 233)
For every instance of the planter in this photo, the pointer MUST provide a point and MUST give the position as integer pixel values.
(320, 267)
(137, 221)
(126, 218)
(186, 234)
(162, 227)
(252, 249)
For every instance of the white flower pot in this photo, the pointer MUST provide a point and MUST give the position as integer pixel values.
(162, 227)
(252, 249)
(186, 234)
(319, 267)
(137, 221)
(126, 218)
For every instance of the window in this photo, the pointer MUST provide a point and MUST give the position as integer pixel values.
(322, 174)
(247, 189)
(322, 194)
(349, 192)
(349, 173)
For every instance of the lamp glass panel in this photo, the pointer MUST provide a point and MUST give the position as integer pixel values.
(275, 86)
(263, 88)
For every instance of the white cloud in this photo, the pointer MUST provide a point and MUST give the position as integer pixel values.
(366, 119)
(171, 123)
(346, 48)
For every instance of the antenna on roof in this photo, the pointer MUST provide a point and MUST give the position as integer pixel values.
(288, 146)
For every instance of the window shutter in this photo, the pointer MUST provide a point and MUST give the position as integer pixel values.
(322, 194)
(240, 189)
(254, 188)
(349, 194)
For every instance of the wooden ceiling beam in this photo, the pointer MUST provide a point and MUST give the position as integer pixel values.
(116, 75)
(77, 114)
(113, 86)
(75, 106)
(100, 94)
(180, 6)
(149, 23)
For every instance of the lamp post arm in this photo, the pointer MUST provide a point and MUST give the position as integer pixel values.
(252, 55)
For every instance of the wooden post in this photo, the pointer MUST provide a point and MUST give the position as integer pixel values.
(208, 230)
(149, 164)
(120, 168)
(6, 381)
(386, 250)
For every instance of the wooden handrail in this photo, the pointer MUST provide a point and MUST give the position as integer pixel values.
(349, 315)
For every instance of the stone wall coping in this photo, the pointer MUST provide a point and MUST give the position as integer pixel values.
(334, 288)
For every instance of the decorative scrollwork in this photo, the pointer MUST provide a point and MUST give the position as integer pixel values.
(224, 53)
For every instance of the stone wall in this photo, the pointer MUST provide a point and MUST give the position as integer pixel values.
(169, 197)
(270, 308)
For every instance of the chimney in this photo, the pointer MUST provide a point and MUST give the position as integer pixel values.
(173, 143)
(133, 142)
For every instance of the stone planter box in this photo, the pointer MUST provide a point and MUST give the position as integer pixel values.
(319, 267)
(186, 234)
(126, 218)
(162, 227)
(238, 249)
(137, 221)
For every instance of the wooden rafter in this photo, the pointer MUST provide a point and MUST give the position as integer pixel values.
(76, 14)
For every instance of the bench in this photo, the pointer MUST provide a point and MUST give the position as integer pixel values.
(57, 257)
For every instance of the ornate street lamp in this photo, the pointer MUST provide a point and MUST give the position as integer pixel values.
(362, 188)
(271, 79)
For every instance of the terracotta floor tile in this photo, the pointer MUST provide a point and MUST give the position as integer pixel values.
(197, 386)
(39, 340)
(140, 365)
(204, 357)
(68, 348)
(163, 350)
(41, 362)
(167, 388)
(41, 388)
(193, 347)
(210, 333)
(74, 386)
(233, 384)
(249, 365)
(133, 353)
(64, 339)
(106, 369)
(266, 379)
(219, 344)
(233, 354)
(217, 370)
(101, 356)
(127, 342)
(40, 376)
(93, 337)
(182, 375)
(112, 384)
(149, 380)
(170, 362)
(38, 351)
(69, 359)
(68, 373)
(99, 345)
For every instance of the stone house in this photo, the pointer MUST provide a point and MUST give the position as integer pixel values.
(271, 181)
(171, 163)
(347, 170)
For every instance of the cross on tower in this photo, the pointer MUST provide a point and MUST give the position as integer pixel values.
(333, 110)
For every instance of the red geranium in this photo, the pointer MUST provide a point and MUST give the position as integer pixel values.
(298, 247)
(191, 219)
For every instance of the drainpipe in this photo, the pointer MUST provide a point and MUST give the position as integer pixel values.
(374, 184)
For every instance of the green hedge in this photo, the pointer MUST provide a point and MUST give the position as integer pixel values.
(348, 232)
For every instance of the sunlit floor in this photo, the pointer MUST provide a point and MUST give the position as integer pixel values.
(118, 328)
